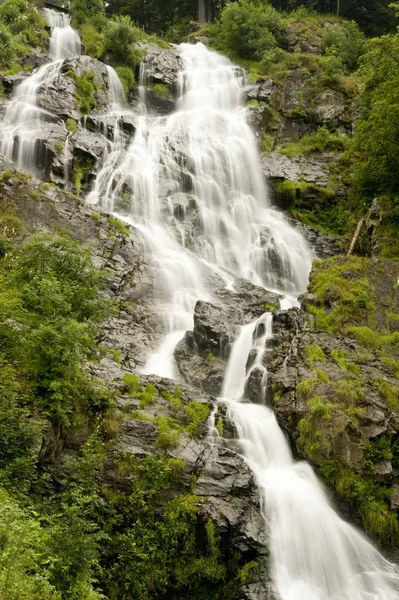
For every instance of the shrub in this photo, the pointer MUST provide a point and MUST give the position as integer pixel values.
(7, 47)
(120, 39)
(345, 41)
(82, 10)
(93, 40)
(126, 76)
(249, 29)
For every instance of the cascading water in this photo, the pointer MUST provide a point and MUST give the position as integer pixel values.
(204, 158)
(23, 121)
(315, 554)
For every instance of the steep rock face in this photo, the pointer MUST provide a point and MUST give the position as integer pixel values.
(203, 353)
(333, 370)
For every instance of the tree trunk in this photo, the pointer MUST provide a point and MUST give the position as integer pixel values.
(201, 11)
(356, 235)
(338, 8)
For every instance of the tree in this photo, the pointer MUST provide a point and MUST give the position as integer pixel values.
(201, 11)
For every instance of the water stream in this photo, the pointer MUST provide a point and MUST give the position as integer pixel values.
(192, 184)
(205, 156)
(21, 129)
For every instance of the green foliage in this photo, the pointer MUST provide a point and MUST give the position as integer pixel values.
(319, 408)
(309, 437)
(118, 226)
(93, 40)
(219, 426)
(319, 141)
(126, 75)
(346, 42)
(120, 39)
(49, 289)
(249, 29)
(375, 145)
(340, 358)
(161, 90)
(315, 354)
(132, 382)
(81, 166)
(21, 26)
(83, 10)
(390, 394)
(343, 285)
(72, 125)
(86, 89)
(23, 554)
(370, 498)
(198, 413)
(366, 336)
(169, 433)
(305, 387)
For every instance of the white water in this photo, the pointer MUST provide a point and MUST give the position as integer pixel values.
(22, 126)
(315, 554)
(207, 149)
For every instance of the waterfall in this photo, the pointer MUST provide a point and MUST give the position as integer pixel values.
(21, 129)
(192, 184)
(315, 554)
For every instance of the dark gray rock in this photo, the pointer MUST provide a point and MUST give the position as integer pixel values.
(161, 66)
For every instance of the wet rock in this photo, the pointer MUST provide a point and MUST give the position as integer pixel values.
(161, 66)
(58, 94)
(262, 91)
(312, 169)
(323, 244)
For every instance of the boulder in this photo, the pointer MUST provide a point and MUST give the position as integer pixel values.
(160, 65)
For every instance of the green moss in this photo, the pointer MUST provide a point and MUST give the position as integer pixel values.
(340, 358)
(244, 572)
(126, 76)
(173, 398)
(148, 396)
(82, 165)
(366, 336)
(96, 217)
(309, 437)
(132, 383)
(161, 90)
(305, 387)
(320, 409)
(268, 307)
(219, 426)
(322, 376)
(392, 364)
(370, 498)
(86, 90)
(390, 394)
(116, 354)
(349, 391)
(344, 286)
(315, 142)
(315, 354)
(267, 142)
(71, 125)
(169, 432)
(197, 413)
(118, 226)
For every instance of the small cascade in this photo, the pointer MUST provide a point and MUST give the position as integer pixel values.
(315, 554)
(64, 41)
(21, 129)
